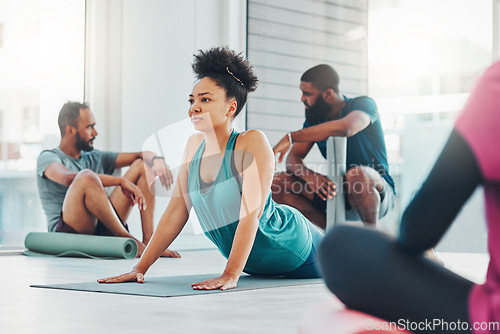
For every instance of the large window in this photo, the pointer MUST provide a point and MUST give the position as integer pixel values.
(41, 67)
(423, 59)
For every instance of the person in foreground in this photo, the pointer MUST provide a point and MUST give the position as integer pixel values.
(390, 278)
(226, 176)
(72, 179)
(369, 189)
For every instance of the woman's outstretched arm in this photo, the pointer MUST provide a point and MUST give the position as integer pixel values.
(170, 225)
(450, 183)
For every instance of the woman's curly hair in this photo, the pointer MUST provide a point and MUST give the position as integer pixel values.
(229, 70)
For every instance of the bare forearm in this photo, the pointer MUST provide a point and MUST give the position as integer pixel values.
(126, 159)
(106, 180)
(346, 126)
(171, 224)
(147, 157)
(320, 132)
(109, 180)
(242, 246)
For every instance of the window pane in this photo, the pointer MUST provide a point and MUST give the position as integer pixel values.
(41, 67)
(428, 47)
(423, 59)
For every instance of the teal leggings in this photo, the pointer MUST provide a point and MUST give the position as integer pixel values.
(309, 269)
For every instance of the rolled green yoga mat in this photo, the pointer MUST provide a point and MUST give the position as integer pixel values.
(79, 245)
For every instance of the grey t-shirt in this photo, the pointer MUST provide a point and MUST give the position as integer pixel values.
(52, 193)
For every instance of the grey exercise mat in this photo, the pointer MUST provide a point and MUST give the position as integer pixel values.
(175, 286)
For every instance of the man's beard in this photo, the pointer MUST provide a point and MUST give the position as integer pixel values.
(317, 113)
(83, 145)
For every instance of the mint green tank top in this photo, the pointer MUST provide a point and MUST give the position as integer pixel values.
(283, 241)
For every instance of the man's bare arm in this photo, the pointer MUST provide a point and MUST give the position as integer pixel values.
(347, 126)
(157, 164)
(57, 172)
(126, 159)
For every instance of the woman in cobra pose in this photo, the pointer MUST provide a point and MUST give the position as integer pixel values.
(226, 177)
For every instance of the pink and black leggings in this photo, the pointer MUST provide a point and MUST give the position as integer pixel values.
(390, 278)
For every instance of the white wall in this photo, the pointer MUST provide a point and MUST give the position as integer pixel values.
(138, 74)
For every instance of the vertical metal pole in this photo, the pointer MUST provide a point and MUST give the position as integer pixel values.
(330, 164)
(340, 146)
(336, 155)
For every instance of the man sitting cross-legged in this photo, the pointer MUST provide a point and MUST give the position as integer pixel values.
(368, 187)
(73, 176)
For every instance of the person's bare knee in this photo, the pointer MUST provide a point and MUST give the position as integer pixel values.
(358, 173)
(354, 183)
(86, 179)
(75, 212)
(363, 186)
(137, 166)
(135, 171)
(362, 180)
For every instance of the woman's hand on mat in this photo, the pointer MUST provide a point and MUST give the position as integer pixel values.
(133, 276)
(321, 185)
(163, 172)
(133, 194)
(224, 282)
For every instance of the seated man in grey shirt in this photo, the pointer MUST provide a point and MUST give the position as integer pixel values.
(71, 180)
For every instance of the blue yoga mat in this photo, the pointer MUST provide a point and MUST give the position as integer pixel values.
(175, 286)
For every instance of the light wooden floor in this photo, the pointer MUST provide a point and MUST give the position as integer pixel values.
(33, 310)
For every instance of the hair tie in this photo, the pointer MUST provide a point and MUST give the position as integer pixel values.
(231, 73)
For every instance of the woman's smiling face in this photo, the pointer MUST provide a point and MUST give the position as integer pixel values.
(208, 105)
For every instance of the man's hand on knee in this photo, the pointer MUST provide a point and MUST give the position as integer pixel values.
(321, 185)
(133, 194)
